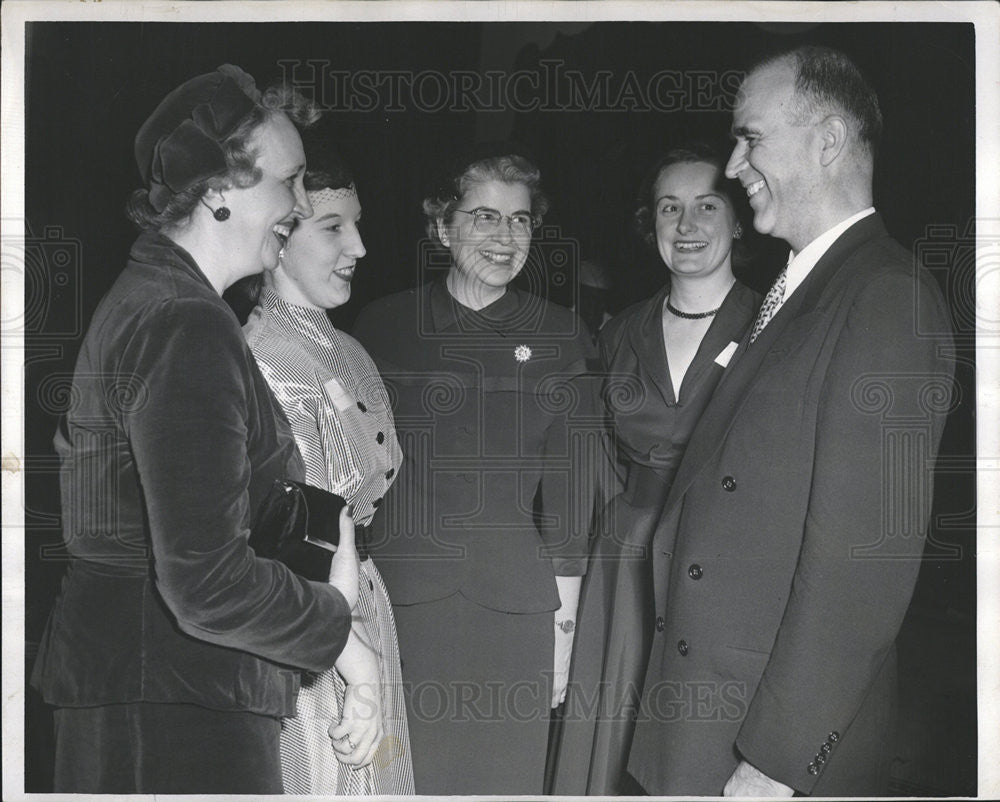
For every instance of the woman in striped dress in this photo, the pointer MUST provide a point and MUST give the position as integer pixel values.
(337, 405)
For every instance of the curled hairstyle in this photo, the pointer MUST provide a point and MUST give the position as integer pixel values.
(508, 169)
(826, 80)
(325, 168)
(241, 160)
(644, 217)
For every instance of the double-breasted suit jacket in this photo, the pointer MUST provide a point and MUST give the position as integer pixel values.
(790, 542)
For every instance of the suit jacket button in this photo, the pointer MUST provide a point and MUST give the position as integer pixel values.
(660, 623)
(813, 769)
(833, 737)
(380, 438)
(390, 473)
(695, 571)
(728, 483)
(362, 407)
(682, 647)
(376, 503)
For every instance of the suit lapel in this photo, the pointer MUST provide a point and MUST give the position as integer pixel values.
(646, 341)
(781, 334)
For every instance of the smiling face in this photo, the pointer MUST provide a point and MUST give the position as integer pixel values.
(481, 258)
(262, 215)
(773, 159)
(321, 256)
(694, 220)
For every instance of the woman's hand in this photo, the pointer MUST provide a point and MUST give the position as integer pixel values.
(563, 653)
(344, 566)
(357, 736)
(565, 626)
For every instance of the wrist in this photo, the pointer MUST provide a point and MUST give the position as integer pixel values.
(566, 625)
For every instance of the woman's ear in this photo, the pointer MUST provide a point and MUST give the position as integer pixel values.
(442, 232)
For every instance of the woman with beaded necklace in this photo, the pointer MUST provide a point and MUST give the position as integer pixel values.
(663, 358)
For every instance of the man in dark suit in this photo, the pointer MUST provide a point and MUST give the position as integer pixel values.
(791, 539)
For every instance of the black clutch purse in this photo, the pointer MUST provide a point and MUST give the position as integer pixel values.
(299, 525)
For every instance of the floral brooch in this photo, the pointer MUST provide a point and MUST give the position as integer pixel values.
(522, 353)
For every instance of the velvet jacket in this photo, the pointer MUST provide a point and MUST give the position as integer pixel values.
(170, 440)
(790, 540)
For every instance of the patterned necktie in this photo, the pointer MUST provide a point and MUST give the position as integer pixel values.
(771, 304)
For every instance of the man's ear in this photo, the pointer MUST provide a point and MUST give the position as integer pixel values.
(833, 137)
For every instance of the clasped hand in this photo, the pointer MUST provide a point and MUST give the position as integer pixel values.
(356, 737)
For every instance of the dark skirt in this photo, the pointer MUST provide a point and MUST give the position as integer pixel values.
(610, 655)
(158, 748)
(478, 688)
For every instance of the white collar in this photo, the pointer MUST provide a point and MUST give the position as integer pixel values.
(801, 263)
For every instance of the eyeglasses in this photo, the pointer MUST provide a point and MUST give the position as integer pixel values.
(487, 220)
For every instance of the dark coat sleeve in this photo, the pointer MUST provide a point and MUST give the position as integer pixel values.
(576, 433)
(871, 475)
(189, 440)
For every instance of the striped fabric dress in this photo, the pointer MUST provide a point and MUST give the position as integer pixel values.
(333, 397)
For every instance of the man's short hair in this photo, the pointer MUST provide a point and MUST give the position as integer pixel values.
(827, 80)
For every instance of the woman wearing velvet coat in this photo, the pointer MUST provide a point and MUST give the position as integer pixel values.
(662, 358)
(173, 651)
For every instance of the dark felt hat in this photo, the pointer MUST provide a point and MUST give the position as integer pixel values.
(180, 143)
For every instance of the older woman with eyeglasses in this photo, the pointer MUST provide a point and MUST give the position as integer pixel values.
(483, 538)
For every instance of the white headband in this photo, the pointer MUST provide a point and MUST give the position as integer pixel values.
(327, 194)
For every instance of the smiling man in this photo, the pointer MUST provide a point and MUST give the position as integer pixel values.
(788, 548)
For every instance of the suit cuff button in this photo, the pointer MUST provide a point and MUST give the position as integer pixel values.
(813, 769)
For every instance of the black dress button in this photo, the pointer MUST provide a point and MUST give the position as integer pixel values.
(728, 483)
(376, 503)
(390, 473)
(682, 647)
(660, 623)
(362, 407)
(813, 769)
(695, 571)
(380, 438)
(833, 737)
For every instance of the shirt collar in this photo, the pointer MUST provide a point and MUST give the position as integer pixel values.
(447, 312)
(800, 264)
(291, 315)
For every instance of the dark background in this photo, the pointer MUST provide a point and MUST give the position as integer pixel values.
(89, 86)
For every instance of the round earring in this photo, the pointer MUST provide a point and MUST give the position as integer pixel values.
(738, 231)
(221, 214)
